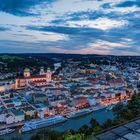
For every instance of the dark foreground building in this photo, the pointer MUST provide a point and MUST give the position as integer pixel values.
(128, 131)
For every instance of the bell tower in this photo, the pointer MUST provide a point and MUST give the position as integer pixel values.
(49, 75)
(42, 71)
(27, 73)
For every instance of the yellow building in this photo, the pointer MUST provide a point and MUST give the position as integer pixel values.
(88, 70)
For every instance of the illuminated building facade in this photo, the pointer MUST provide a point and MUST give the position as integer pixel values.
(27, 79)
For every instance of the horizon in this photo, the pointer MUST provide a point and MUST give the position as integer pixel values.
(70, 54)
(86, 27)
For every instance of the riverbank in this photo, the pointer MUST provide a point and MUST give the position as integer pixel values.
(100, 115)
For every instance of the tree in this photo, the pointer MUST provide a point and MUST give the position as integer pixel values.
(70, 136)
(134, 105)
(94, 122)
(118, 110)
(97, 129)
(108, 123)
(85, 130)
(47, 135)
(16, 139)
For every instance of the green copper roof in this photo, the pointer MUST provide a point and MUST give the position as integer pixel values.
(27, 70)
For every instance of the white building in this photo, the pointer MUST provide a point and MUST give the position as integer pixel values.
(15, 116)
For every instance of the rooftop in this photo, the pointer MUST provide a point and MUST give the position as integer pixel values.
(17, 112)
(128, 131)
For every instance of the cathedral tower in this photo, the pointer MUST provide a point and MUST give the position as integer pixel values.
(49, 75)
(27, 73)
(42, 71)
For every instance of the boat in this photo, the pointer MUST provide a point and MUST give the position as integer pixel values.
(79, 113)
(6, 131)
(109, 108)
(41, 123)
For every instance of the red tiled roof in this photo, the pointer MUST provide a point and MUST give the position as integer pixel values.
(37, 82)
(46, 85)
(33, 76)
(80, 101)
(118, 80)
(37, 76)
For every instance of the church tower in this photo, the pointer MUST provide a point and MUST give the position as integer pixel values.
(27, 73)
(49, 75)
(42, 71)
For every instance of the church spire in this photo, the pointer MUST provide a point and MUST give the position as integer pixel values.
(42, 71)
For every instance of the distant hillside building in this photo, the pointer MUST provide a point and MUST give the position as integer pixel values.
(28, 79)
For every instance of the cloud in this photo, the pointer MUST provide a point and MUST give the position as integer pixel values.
(21, 7)
(100, 23)
(63, 29)
(120, 7)
(81, 38)
(4, 29)
(98, 47)
(129, 3)
(73, 26)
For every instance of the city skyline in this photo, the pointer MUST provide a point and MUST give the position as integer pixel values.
(75, 26)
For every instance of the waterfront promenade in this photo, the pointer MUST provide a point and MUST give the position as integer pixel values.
(100, 115)
(11, 125)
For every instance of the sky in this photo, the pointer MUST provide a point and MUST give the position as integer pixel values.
(70, 26)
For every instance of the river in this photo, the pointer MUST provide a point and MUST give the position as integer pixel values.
(100, 115)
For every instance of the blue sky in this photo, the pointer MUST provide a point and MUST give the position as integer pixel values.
(70, 26)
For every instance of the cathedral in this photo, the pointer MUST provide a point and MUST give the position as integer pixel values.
(27, 79)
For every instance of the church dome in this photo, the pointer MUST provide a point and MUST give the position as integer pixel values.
(26, 70)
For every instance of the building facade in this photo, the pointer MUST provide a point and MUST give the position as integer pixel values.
(27, 79)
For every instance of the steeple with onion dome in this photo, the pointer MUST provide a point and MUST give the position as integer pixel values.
(42, 71)
(27, 72)
(49, 74)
